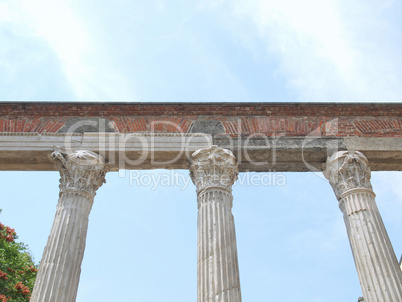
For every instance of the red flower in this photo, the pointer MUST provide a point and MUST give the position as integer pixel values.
(3, 275)
(18, 286)
(3, 298)
(21, 287)
(10, 230)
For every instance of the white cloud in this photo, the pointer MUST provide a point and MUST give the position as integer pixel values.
(90, 72)
(329, 50)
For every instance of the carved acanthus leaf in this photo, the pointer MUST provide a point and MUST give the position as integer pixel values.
(348, 170)
(213, 167)
(80, 171)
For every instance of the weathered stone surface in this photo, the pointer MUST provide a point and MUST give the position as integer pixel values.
(82, 173)
(30, 151)
(213, 171)
(207, 127)
(262, 136)
(377, 267)
(348, 171)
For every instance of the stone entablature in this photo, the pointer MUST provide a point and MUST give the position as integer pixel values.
(262, 136)
(227, 119)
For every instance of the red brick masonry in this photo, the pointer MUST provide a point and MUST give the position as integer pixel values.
(255, 119)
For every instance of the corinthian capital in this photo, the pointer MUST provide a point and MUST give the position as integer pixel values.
(213, 167)
(81, 171)
(348, 170)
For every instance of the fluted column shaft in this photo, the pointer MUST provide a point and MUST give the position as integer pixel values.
(214, 171)
(377, 267)
(82, 173)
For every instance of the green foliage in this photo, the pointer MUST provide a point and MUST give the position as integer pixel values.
(17, 269)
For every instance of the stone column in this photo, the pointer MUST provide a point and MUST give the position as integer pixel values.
(377, 267)
(81, 174)
(213, 171)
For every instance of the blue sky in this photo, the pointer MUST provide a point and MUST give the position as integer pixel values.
(141, 242)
